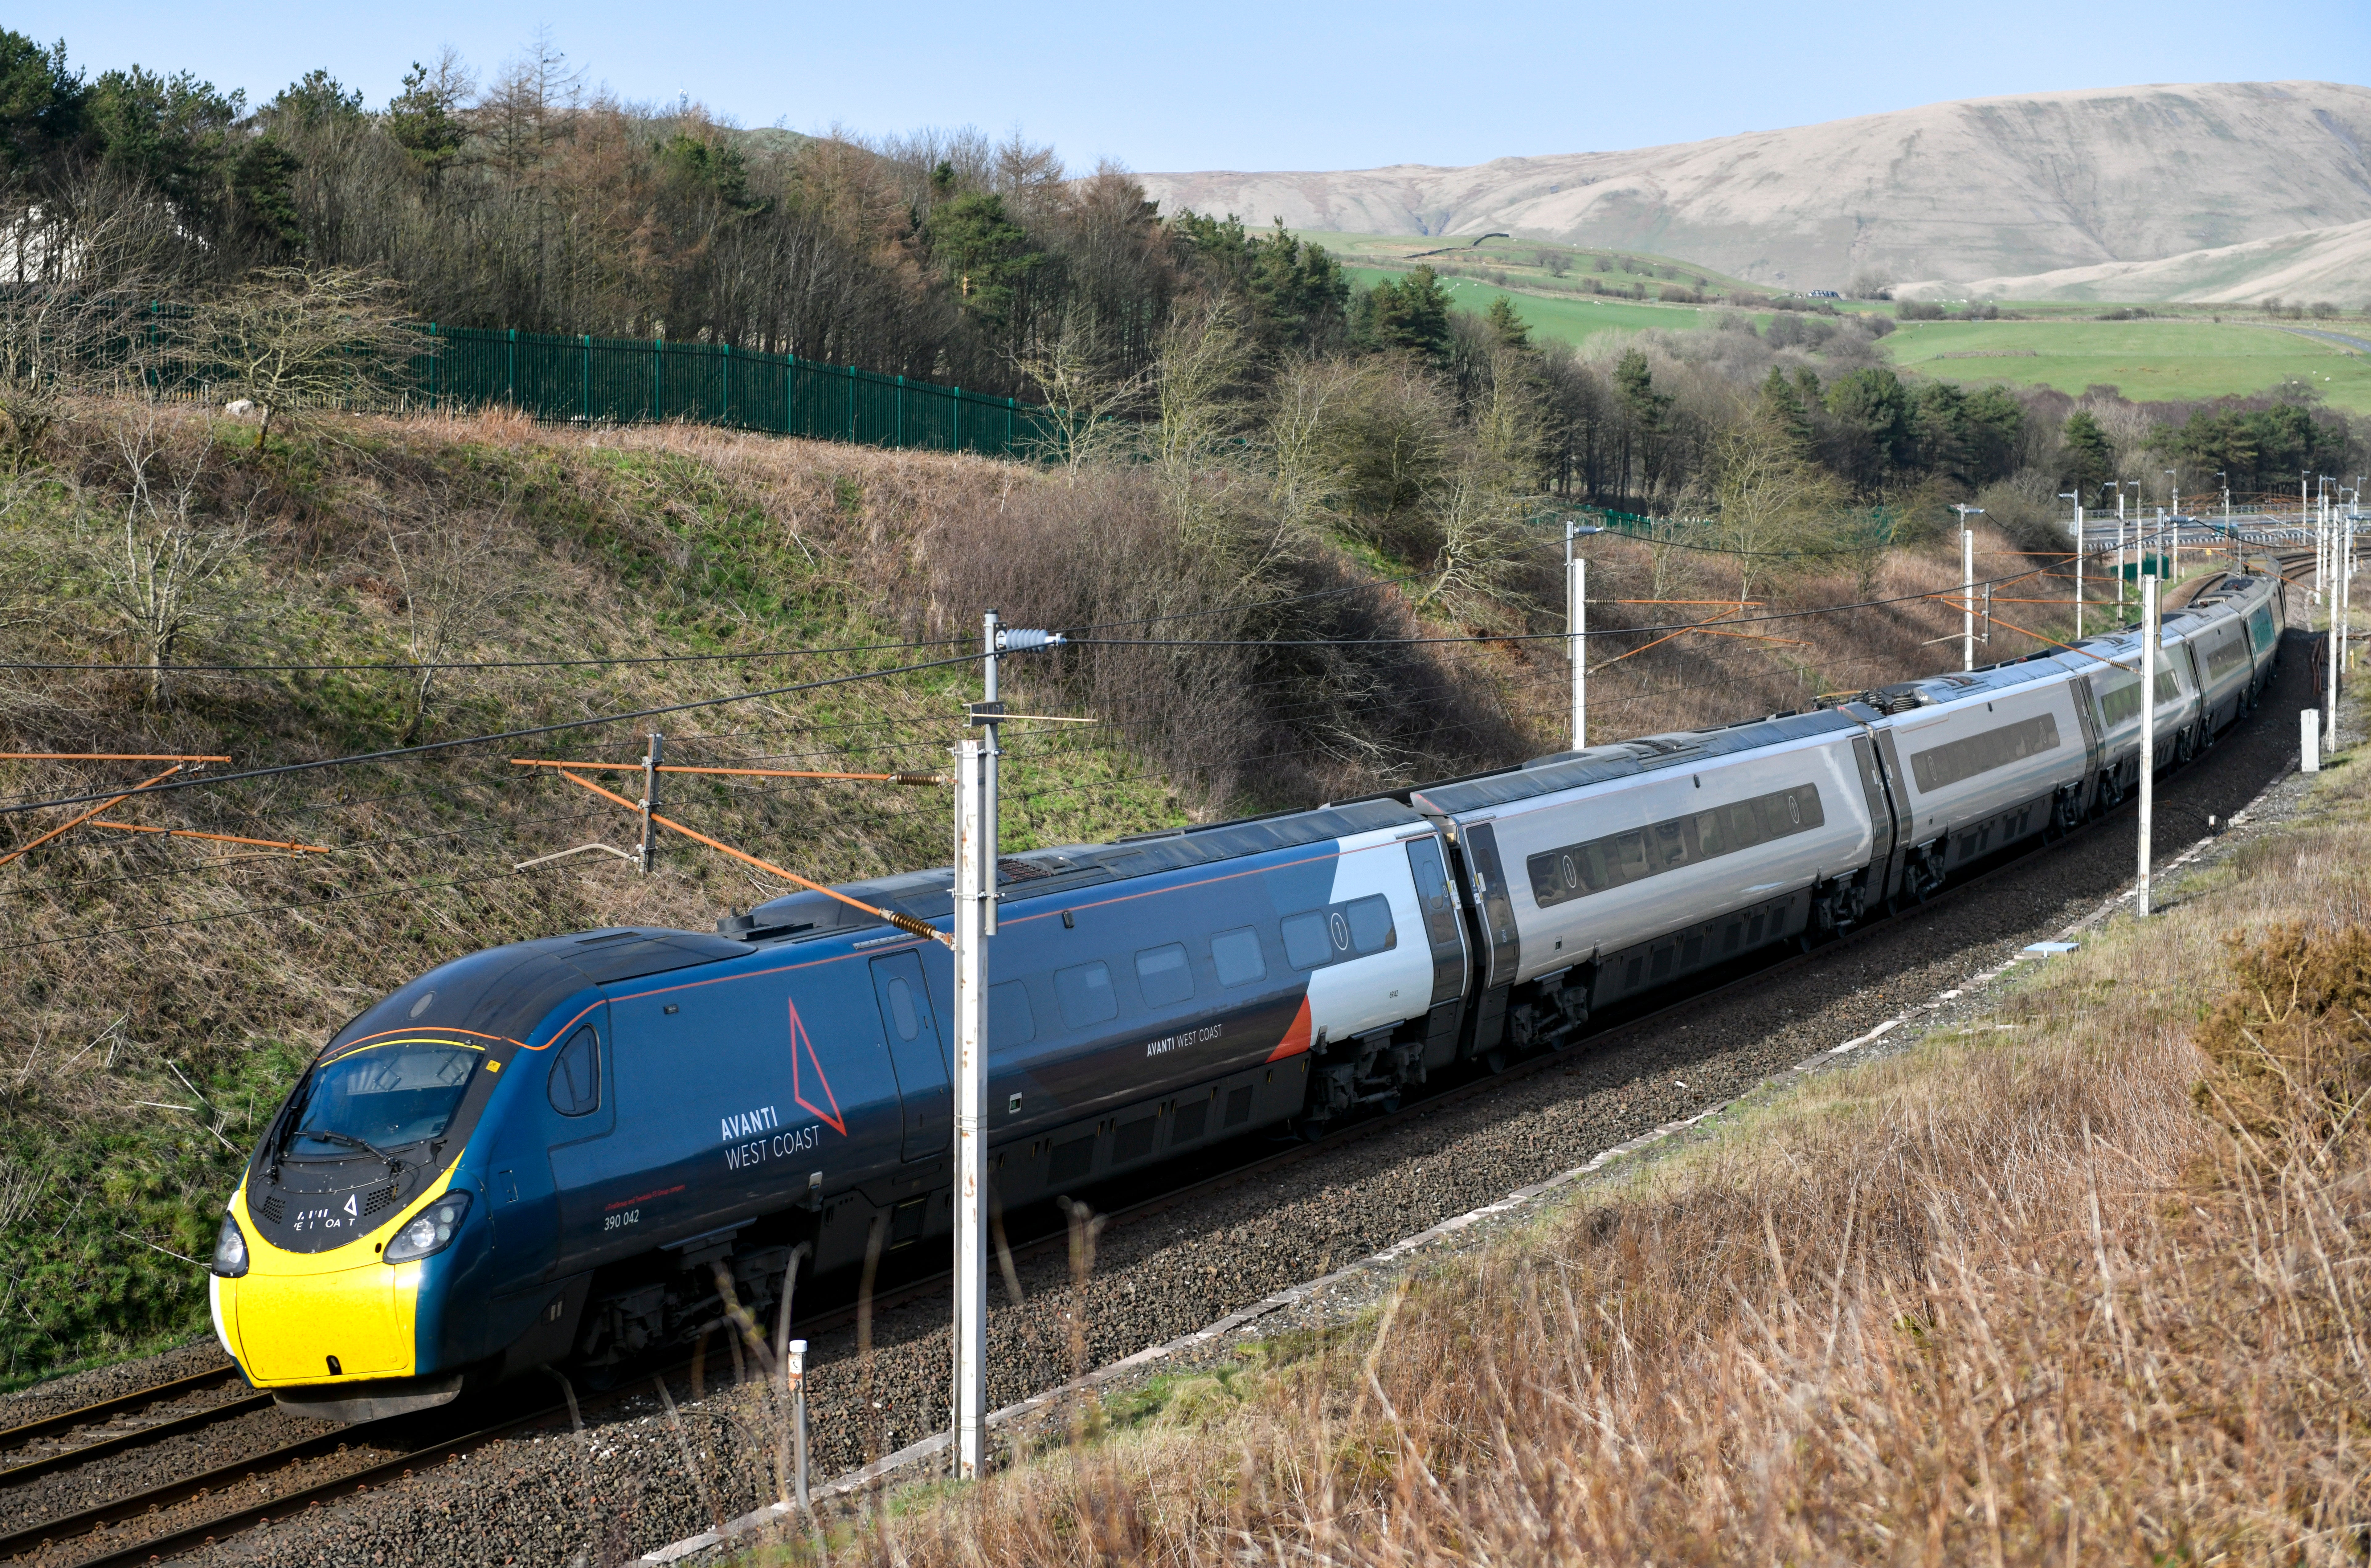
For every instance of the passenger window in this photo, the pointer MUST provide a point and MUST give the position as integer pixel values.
(1370, 924)
(901, 1009)
(1010, 1021)
(1163, 974)
(1085, 995)
(1236, 955)
(575, 1086)
(1306, 945)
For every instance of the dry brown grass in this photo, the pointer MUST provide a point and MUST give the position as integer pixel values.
(2011, 1298)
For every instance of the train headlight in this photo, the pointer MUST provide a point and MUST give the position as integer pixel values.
(431, 1231)
(230, 1251)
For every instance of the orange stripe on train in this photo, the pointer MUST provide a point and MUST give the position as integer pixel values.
(1296, 1039)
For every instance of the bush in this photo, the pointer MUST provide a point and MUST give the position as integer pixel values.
(1919, 310)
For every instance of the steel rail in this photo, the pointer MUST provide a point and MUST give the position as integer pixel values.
(67, 1458)
(86, 1414)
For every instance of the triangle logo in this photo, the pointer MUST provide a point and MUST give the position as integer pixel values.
(803, 1064)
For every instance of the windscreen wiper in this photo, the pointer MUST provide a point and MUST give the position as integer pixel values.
(394, 1166)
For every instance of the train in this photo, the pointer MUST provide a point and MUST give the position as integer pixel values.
(579, 1151)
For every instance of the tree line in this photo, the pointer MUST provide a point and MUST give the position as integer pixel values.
(525, 200)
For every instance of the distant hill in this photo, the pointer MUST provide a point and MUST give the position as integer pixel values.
(1989, 188)
(2311, 264)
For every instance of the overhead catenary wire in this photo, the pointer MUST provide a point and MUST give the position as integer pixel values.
(429, 747)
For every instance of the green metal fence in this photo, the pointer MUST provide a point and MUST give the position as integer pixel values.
(593, 380)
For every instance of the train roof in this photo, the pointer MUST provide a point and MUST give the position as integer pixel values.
(2221, 597)
(504, 991)
(1037, 873)
(1626, 759)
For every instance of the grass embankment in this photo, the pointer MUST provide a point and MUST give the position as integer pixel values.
(2147, 360)
(2078, 1280)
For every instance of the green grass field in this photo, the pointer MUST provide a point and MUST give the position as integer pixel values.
(2147, 360)
(1520, 259)
(1573, 320)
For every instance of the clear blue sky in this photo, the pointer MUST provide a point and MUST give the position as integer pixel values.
(1223, 83)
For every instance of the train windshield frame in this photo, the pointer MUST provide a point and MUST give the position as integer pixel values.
(391, 1094)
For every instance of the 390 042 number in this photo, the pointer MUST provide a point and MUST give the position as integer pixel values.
(620, 1221)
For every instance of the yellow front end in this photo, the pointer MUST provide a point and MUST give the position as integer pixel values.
(339, 1316)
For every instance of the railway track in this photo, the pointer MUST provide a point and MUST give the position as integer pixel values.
(387, 1452)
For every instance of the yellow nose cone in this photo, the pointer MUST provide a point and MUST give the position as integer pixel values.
(289, 1324)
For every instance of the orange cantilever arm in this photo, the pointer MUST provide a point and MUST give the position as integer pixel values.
(906, 923)
(77, 822)
(217, 837)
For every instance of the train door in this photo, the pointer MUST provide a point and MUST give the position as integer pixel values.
(580, 1091)
(1884, 825)
(916, 1052)
(1498, 906)
(2087, 714)
(1441, 926)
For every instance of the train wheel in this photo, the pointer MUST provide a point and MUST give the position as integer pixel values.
(1494, 1059)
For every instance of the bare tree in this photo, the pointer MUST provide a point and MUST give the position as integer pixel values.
(1770, 500)
(293, 339)
(168, 583)
(456, 583)
(1091, 404)
(82, 266)
(1480, 560)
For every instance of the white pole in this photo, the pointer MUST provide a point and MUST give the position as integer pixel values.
(971, 1089)
(2174, 564)
(1967, 596)
(2120, 552)
(1576, 611)
(2308, 740)
(2078, 571)
(2148, 728)
(2334, 647)
(797, 1374)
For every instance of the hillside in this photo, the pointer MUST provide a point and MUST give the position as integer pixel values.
(1982, 189)
(2309, 264)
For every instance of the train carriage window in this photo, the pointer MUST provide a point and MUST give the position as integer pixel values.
(1306, 941)
(2120, 706)
(1627, 857)
(1954, 761)
(1163, 975)
(1578, 870)
(1370, 924)
(575, 1086)
(1010, 1021)
(1236, 956)
(901, 1008)
(2168, 689)
(1085, 995)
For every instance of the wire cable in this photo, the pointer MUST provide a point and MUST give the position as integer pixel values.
(565, 725)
